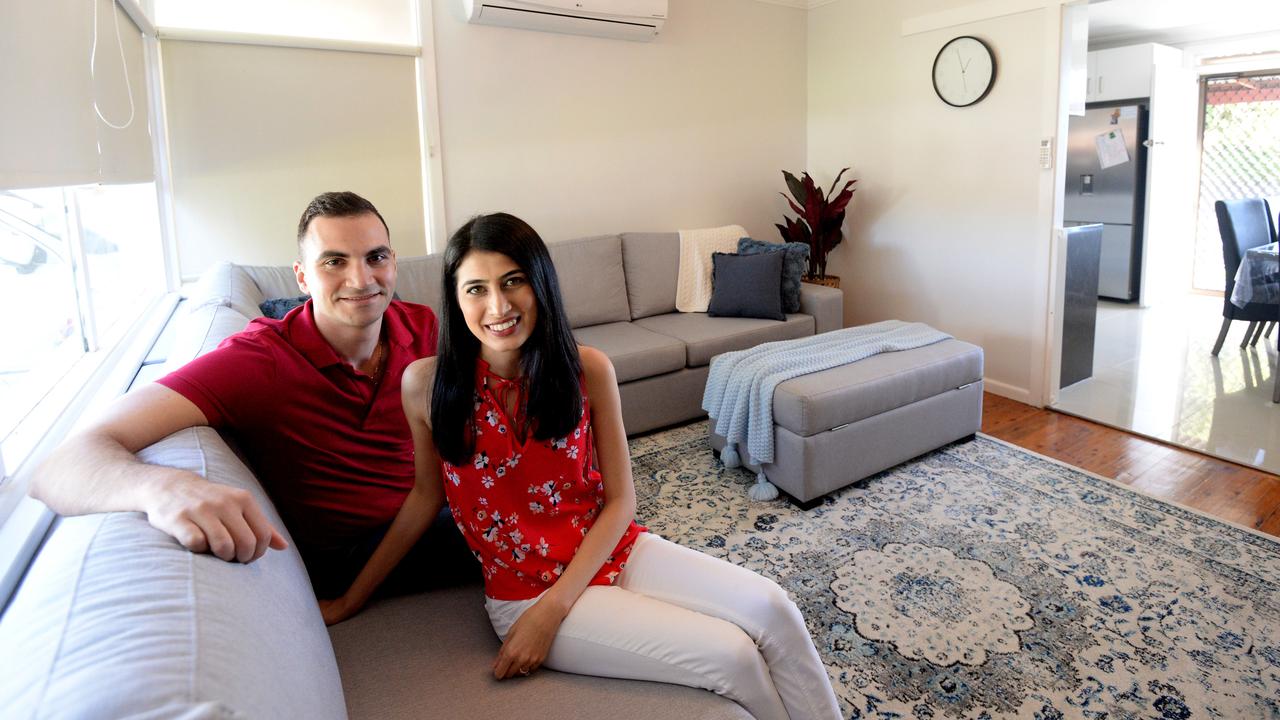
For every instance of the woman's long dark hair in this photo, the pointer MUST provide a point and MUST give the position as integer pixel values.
(548, 359)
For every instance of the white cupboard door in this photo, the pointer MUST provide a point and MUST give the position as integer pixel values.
(1124, 73)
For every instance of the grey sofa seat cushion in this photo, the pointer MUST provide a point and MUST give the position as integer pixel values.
(635, 352)
(705, 337)
(817, 402)
(116, 619)
(431, 656)
(652, 264)
(592, 283)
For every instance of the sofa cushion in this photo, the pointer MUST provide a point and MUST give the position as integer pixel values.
(746, 286)
(795, 261)
(277, 308)
(635, 352)
(706, 336)
(431, 655)
(273, 281)
(116, 619)
(652, 265)
(232, 286)
(817, 402)
(200, 329)
(418, 280)
(592, 283)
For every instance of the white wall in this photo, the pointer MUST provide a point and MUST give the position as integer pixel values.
(582, 135)
(952, 221)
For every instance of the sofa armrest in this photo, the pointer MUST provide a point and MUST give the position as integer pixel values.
(825, 304)
(116, 619)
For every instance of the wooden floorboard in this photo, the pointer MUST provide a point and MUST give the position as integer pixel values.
(1224, 490)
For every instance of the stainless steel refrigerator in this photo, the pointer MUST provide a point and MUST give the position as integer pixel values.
(1106, 183)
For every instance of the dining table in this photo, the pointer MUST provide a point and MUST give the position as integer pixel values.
(1258, 278)
(1258, 281)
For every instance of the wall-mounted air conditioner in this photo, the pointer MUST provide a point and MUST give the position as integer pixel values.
(621, 19)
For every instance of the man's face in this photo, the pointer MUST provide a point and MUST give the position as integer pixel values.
(349, 269)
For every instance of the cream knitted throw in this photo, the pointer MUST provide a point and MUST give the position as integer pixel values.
(693, 283)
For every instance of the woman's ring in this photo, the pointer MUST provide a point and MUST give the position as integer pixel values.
(524, 671)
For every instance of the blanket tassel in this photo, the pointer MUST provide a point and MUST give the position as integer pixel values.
(763, 489)
(729, 456)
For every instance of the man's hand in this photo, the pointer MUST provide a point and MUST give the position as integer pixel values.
(209, 517)
(338, 609)
(528, 641)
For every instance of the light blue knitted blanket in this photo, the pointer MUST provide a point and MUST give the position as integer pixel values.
(739, 393)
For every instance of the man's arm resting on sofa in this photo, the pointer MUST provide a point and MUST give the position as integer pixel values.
(96, 471)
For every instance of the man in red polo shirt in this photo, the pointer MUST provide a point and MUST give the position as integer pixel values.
(313, 400)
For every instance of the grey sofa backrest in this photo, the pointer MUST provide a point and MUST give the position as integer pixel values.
(418, 280)
(651, 262)
(592, 282)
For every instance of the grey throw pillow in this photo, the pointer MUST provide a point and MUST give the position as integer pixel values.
(277, 308)
(746, 286)
(795, 260)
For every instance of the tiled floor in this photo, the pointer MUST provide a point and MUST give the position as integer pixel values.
(1153, 375)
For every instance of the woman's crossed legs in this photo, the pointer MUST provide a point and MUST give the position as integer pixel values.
(679, 616)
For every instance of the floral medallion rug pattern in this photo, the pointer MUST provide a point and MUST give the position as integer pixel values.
(983, 581)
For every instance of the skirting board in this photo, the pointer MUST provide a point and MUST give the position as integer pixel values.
(1012, 392)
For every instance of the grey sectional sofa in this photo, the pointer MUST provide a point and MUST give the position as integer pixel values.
(115, 619)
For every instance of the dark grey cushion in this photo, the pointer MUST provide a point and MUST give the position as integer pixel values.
(746, 286)
(795, 260)
(276, 308)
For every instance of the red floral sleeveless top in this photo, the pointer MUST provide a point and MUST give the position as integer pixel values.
(524, 507)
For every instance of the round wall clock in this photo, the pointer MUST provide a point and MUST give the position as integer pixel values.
(964, 71)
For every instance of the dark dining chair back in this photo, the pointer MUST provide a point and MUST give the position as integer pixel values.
(1243, 224)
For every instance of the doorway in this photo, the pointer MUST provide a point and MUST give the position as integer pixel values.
(1153, 371)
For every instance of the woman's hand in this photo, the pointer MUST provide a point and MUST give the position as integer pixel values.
(528, 641)
(338, 609)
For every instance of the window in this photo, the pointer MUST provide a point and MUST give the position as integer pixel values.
(78, 266)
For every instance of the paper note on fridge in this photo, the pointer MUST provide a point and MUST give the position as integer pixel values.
(1111, 149)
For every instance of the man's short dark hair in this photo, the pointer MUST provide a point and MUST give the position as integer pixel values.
(336, 204)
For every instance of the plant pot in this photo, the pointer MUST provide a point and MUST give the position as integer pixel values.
(831, 281)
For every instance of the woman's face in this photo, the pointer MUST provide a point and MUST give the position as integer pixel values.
(497, 302)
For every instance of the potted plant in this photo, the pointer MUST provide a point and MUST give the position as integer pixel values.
(821, 221)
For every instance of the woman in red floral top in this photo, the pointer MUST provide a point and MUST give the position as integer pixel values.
(523, 429)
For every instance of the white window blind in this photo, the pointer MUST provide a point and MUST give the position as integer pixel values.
(255, 132)
(374, 21)
(74, 112)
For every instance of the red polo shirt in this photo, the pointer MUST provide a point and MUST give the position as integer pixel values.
(330, 446)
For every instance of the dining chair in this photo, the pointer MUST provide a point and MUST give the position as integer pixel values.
(1243, 224)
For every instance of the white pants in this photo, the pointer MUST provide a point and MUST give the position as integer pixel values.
(679, 616)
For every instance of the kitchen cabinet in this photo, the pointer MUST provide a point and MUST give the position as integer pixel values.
(1122, 73)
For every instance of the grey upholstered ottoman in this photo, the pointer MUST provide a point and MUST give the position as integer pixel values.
(835, 427)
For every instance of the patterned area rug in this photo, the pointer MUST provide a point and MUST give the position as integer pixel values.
(983, 581)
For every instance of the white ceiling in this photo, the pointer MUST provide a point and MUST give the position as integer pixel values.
(1179, 22)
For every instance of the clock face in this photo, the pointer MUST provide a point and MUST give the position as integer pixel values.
(964, 71)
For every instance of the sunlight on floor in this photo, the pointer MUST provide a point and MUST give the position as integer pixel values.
(1153, 375)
